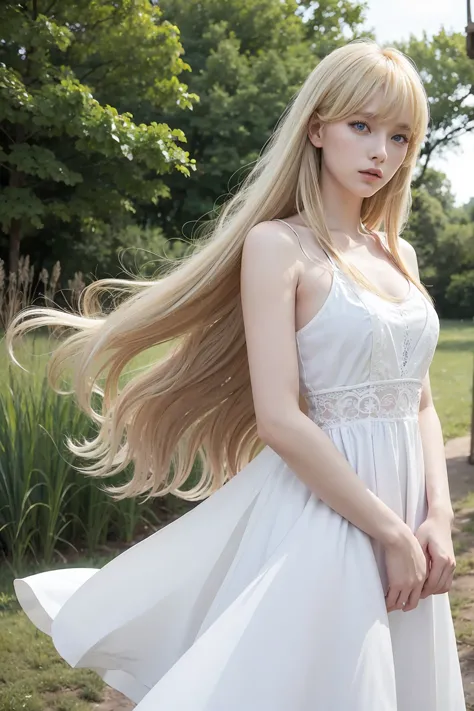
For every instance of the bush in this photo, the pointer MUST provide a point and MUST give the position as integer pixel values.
(460, 293)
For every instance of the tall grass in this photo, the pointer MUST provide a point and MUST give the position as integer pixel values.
(47, 508)
(18, 290)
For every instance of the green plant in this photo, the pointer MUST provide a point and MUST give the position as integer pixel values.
(46, 506)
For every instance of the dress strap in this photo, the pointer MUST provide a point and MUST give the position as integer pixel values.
(277, 219)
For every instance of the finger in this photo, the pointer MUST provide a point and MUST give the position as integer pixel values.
(414, 598)
(449, 582)
(445, 582)
(392, 597)
(428, 563)
(401, 599)
(433, 579)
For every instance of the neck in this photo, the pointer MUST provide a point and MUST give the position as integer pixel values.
(341, 207)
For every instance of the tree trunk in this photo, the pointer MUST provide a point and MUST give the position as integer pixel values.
(15, 239)
(17, 180)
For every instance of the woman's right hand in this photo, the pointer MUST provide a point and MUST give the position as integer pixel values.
(406, 570)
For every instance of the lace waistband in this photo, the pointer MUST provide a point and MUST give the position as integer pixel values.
(376, 400)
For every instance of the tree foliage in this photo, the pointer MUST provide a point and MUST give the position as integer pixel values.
(64, 155)
(249, 57)
(448, 77)
(90, 90)
(443, 236)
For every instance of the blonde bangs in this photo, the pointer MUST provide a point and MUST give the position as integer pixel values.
(387, 74)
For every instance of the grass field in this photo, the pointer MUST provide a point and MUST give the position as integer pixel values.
(32, 676)
(451, 376)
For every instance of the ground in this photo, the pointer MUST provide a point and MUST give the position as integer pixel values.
(461, 481)
(113, 701)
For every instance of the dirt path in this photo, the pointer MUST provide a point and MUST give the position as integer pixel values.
(461, 482)
(113, 701)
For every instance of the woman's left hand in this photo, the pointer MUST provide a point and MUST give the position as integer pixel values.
(434, 536)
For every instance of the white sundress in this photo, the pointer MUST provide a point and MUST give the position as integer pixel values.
(263, 598)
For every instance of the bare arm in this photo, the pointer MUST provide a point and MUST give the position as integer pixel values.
(436, 473)
(269, 277)
(434, 455)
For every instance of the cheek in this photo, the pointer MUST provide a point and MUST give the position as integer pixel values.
(342, 148)
(395, 158)
(341, 139)
(399, 154)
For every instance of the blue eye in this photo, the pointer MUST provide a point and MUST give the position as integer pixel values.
(362, 123)
(406, 139)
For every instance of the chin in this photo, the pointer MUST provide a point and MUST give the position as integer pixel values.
(364, 192)
(370, 189)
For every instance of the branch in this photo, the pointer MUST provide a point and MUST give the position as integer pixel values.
(48, 10)
(29, 135)
(6, 134)
(432, 147)
(89, 28)
(98, 66)
(462, 130)
(419, 179)
(453, 132)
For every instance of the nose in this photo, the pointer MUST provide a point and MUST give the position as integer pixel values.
(378, 147)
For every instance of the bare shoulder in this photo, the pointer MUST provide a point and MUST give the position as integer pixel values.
(270, 256)
(408, 254)
(269, 240)
(269, 264)
(407, 247)
(274, 240)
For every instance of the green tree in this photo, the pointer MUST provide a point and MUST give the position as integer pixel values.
(64, 155)
(437, 184)
(249, 57)
(333, 23)
(448, 76)
(443, 236)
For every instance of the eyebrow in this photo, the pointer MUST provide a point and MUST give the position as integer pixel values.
(371, 114)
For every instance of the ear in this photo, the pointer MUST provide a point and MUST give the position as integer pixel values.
(315, 128)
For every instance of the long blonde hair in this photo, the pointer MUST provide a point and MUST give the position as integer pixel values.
(197, 400)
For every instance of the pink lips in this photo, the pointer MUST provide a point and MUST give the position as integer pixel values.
(370, 176)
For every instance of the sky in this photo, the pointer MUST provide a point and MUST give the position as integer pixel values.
(395, 21)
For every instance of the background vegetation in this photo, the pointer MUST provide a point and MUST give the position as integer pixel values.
(122, 126)
(104, 147)
(109, 160)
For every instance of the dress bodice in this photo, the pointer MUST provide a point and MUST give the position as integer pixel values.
(357, 337)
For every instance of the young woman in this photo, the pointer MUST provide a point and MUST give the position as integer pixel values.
(315, 574)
